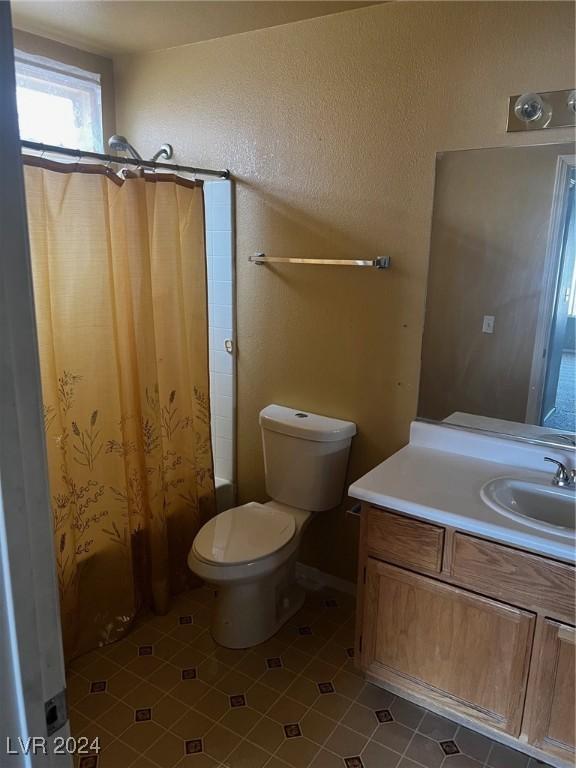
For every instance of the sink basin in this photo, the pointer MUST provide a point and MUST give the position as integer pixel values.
(533, 503)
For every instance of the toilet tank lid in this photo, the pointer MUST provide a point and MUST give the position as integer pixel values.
(304, 425)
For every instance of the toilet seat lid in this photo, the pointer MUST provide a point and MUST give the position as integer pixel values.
(243, 534)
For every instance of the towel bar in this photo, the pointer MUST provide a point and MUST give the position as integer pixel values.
(382, 262)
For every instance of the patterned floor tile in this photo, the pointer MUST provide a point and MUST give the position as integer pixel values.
(504, 757)
(260, 697)
(437, 727)
(407, 713)
(298, 752)
(117, 719)
(348, 684)
(219, 742)
(473, 744)
(141, 736)
(167, 751)
(167, 696)
(168, 711)
(345, 741)
(425, 751)
(117, 755)
(287, 710)
(247, 754)
(192, 725)
(461, 761)
(393, 735)
(267, 734)
(316, 727)
(325, 759)
(374, 698)
(213, 704)
(360, 719)
(240, 720)
(376, 756)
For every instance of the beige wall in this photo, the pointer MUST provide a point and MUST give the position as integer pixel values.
(331, 127)
(41, 46)
(488, 245)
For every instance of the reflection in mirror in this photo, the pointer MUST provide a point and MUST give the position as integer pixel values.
(498, 351)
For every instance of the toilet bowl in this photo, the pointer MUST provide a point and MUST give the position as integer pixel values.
(248, 553)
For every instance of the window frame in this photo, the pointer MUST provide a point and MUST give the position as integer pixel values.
(84, 88)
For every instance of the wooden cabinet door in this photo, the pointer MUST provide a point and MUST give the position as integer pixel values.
(468, 653)
(552, 714)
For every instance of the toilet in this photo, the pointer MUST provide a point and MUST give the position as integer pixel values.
(248, 553)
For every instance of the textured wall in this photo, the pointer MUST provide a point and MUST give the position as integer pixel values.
(331, 127)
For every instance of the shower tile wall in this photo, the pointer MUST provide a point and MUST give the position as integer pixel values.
(221, 323)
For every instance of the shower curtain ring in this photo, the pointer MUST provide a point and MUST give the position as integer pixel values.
(79, 156)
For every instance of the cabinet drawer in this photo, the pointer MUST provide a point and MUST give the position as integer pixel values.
(404, 541)
(520, 578)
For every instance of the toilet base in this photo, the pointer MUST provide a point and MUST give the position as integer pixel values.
(249, 613)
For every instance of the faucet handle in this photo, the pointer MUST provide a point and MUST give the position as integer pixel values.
(562, 476)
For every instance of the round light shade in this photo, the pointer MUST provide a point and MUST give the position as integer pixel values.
(533, 110)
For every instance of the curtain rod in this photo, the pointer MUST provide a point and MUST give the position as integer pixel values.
(80, 153)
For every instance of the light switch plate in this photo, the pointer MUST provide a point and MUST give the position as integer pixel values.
(488, 324)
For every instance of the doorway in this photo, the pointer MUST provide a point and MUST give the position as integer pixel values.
(557, 410)
(552, 391)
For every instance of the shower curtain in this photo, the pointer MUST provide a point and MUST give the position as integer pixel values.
(120, 292)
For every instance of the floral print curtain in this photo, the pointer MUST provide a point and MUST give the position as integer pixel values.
(120, 292)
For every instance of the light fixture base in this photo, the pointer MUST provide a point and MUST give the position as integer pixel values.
(537, 111)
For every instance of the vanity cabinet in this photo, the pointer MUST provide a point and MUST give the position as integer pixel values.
(441, 641)
(469, 627)
(552, 721)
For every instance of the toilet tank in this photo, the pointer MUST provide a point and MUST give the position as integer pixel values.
(305, 457)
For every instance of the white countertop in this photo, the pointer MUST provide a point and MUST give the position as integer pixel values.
(438, 478)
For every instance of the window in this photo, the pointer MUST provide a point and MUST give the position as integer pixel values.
(58, 104)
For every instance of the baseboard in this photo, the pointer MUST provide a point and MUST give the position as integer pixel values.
(467, 722)
(314, 579)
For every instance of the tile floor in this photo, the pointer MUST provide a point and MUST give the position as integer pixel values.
(167, 696)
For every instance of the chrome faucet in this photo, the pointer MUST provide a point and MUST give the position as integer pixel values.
(564, 477)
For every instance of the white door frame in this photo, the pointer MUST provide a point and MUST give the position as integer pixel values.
(31, 658)
(564, 167)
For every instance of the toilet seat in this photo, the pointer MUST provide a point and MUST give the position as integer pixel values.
(244, 534)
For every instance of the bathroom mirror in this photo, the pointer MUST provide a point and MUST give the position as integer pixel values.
(498, 350)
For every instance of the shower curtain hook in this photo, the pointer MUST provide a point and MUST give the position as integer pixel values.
(79, 155)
